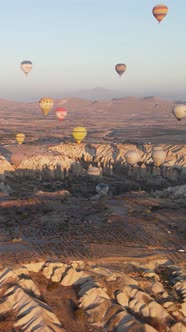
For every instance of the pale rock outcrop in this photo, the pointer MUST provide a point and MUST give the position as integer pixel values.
(178, 327)
(144, 304)
(64, 159)
(56, 195)
(122, 299)
(5, 167)
(93, 296)
(110, 276)
(74, 277)
(23, 296)
(32, 312)
(157, 287)
(54, 271)
(108, 305)
(35, 267)
(107, 155)
(148, 328)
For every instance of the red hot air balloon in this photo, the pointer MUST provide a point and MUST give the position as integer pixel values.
(61, 113)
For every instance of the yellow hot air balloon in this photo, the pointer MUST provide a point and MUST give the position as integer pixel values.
(46, 105)
(159, 12)
(79, 133)
(120, 68)
(20, 137)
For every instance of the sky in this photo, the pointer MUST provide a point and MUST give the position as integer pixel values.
(74, 46)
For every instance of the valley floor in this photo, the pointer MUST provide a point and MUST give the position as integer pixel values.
(138, 239)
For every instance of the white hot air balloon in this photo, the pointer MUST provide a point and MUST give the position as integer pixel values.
(102, 188)
(26, 66)
(179, 111)
(158, 156)
(132, 157)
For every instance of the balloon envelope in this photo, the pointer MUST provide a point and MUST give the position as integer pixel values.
(179, 111)
(61, 113)
(158, 157)
(120, 68)
(159, 12)
(17, 158)
(26, 66)
(20, 137)
(102, 187)
(132, 157)
(79, 133)
(46, 105)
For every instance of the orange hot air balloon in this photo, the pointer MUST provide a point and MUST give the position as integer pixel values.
(61, 113)
(120, 68)
(159, 12)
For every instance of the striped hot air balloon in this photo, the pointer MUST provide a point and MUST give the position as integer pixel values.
(20, 137)
(159, 12)
(79, 133)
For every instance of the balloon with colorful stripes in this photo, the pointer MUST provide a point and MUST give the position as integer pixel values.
(79, 133)
(159, 12)
(20, 137)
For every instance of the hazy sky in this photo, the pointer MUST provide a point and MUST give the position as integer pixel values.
(75, 44)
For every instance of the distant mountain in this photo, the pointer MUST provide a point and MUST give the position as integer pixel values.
(97, 98)
(99, 93)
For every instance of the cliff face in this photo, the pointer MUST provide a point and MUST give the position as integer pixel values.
(78, 159)
(5, 166)
(112, 153)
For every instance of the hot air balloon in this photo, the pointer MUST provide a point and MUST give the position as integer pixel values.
(20, 137)
(17, 158)
(26, 66)
(102, 188)
(179, 111)
(132, 157)
(120, 68)
(159, 12)
(93, 171)
(79, 133)
(158, 156)
(46, 105)
(61, 113)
